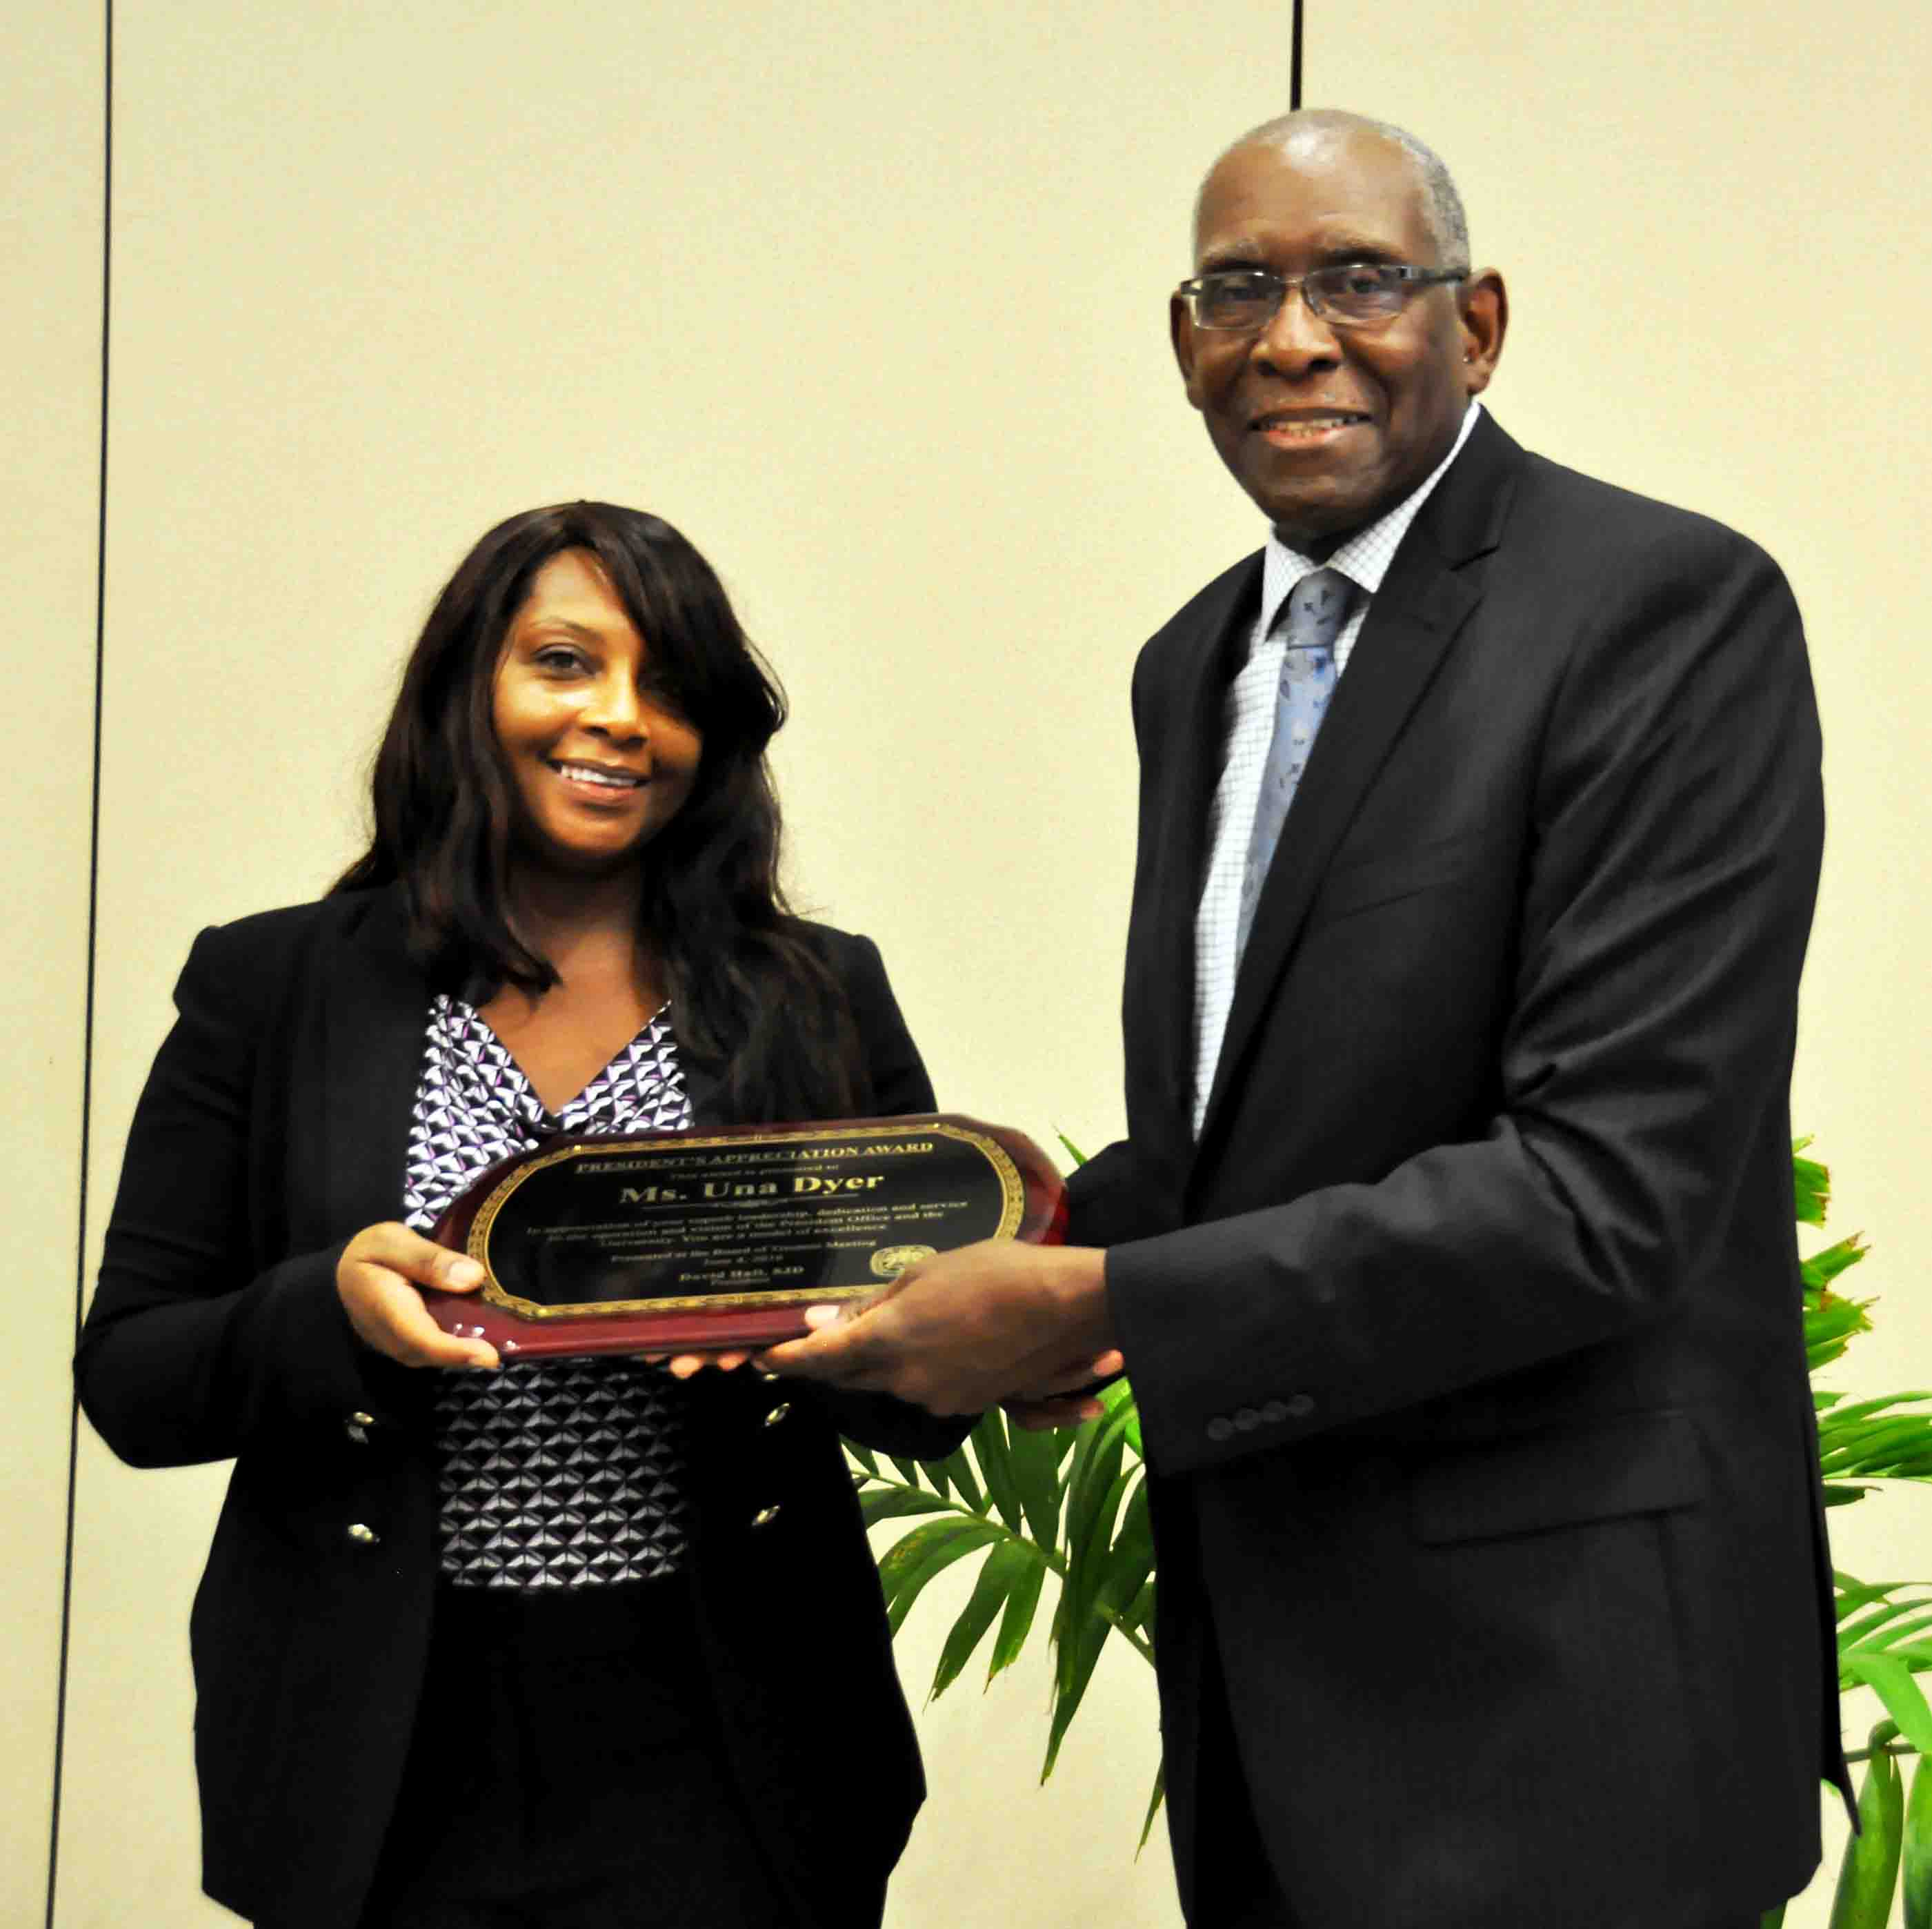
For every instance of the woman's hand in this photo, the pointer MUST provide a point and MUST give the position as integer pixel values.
(682, 1366)
(1071, 1399)
(378, 1277)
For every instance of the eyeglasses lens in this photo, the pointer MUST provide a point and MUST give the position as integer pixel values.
(1237, 301)
(1359, 294)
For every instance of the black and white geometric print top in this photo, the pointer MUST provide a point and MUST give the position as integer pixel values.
(557, 1473)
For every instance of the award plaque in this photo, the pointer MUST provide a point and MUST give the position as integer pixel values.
(678, 1241)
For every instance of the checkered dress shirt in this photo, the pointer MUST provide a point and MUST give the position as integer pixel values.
(1364, 559)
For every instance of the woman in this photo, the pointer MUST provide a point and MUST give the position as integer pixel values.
(573, 1643)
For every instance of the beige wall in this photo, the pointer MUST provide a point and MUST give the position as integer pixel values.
(873, 309)
(50, 271)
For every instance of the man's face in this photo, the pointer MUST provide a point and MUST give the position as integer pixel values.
(1326, 428)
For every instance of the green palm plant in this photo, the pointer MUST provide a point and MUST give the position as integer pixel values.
(1072, 1502)
(1884, 1628)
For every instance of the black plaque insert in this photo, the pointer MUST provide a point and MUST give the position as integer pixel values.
(690, 1223)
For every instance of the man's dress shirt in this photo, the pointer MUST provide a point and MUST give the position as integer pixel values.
(1364, 559)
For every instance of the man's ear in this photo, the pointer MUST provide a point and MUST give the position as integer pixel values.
(1181, 332)
(1484, 312)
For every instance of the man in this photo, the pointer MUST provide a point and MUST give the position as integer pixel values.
(1450, 1252)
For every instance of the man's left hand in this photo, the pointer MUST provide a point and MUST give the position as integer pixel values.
(966, 1330)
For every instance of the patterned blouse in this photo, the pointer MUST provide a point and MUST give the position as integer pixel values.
(554, 1474)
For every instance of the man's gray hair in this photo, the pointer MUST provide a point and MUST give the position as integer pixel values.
(1441, 205)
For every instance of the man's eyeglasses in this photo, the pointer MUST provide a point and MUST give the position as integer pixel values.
(1350, 294)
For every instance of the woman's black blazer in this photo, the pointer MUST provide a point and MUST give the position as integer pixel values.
(274, 1126)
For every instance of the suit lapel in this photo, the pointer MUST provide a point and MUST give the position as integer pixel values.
(1205, 656)
(1427, 596)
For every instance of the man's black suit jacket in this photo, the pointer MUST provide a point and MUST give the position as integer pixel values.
(1467, 1338)
(274, 1125)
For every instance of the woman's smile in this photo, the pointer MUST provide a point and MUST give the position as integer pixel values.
(598, 776)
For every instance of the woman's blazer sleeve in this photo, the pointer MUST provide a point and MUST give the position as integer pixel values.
(898, 1078)
(202, 1337)
(894, 1070)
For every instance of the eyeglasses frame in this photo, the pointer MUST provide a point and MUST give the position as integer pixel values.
(1411, 278)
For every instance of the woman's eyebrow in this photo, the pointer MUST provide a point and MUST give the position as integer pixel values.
(547, 625)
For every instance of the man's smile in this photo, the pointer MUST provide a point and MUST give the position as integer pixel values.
(1299, 428)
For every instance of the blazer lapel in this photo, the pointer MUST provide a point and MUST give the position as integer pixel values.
(1426, 597)
(374, 1005)
(1206, 655)
(704, 1090)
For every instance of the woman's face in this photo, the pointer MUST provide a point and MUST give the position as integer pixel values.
(601, 758)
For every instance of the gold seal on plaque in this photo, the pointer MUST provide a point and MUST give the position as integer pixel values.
(889, 1261)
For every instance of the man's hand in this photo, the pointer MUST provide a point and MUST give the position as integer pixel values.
(966, 1330)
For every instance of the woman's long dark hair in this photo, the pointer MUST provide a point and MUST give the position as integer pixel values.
(752, 1000)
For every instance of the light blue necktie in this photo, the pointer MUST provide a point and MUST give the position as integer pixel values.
(1312, 615)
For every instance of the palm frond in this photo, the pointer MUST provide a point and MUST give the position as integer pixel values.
(1879, 1624)
(1810, 1185)
(1070, 1502)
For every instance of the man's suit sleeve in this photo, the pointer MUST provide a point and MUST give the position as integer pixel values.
(1104, 1205)
(188, 1354)
(1672, 863)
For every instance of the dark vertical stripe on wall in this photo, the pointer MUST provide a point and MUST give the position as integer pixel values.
(1295, 62)
(93, 907)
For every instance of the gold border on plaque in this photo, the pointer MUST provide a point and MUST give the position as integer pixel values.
(1013, 1205)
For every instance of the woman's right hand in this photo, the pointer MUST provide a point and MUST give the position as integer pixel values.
(378, 1277)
